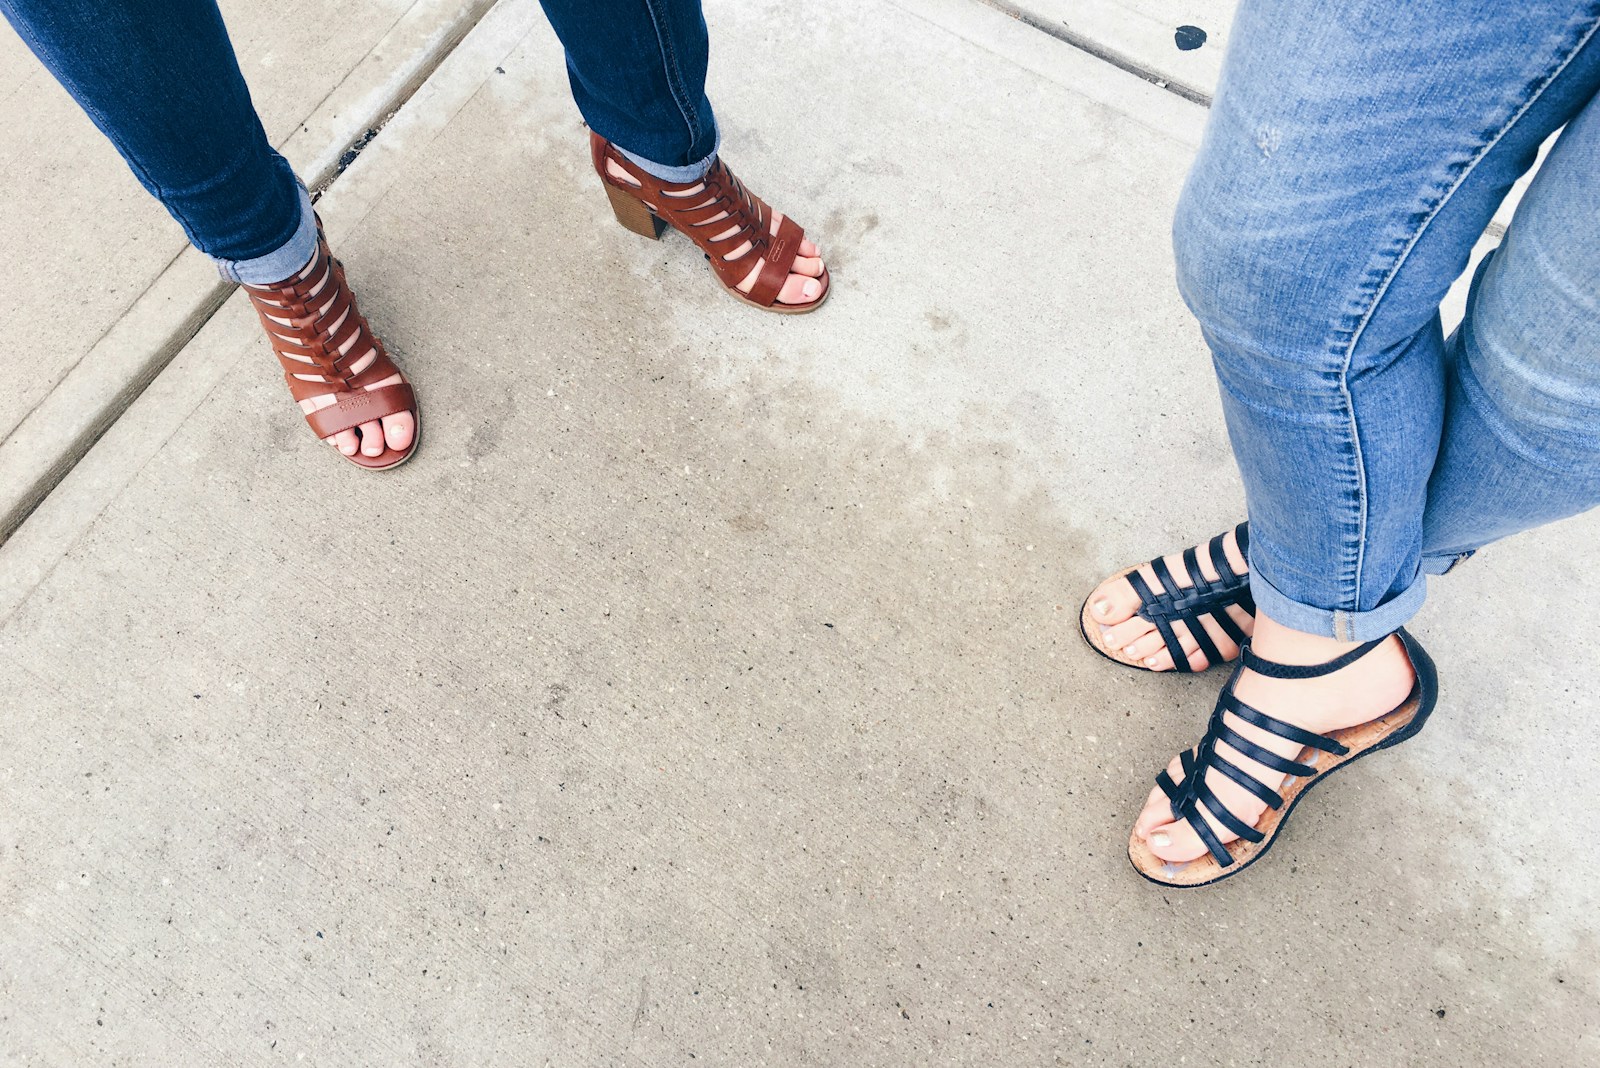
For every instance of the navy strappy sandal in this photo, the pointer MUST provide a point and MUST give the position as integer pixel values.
(1188, 605)
(1321, 756)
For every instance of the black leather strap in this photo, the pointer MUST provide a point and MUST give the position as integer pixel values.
(1274, 670)
(1193, 798)
(1203, 597)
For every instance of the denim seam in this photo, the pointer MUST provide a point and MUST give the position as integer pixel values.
(669, 59)
(1387, 278)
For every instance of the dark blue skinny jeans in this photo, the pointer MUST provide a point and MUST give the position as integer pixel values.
(159, 78)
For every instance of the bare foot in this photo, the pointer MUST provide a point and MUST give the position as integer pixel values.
(801, 287)
(1365, 690)
(1114, 606)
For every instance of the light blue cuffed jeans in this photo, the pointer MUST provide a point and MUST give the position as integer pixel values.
(1355, 153)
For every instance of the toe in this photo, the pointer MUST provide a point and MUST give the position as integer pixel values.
(809, 266)
(399, 429)
(346, 442)
(1175, 843)
(372, 438)
(1145, 646)
(1113, 601)
(799, 290)
(1157, 809)
(808, 249)
(1151, 650)
(1162, 661)
(1119, 636)
(1171, 840)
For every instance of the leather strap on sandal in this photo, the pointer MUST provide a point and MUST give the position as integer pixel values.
(320, 338)
(1188, 798)
(720, 216)
(1189, 605)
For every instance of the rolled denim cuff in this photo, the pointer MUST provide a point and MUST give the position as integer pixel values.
(1367, 626)
(692, 173)
(283, 261)
(1445, 563)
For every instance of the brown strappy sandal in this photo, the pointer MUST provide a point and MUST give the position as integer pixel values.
(322, 316)
(719, 218)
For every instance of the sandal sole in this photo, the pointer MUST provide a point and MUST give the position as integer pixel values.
(1385, 732)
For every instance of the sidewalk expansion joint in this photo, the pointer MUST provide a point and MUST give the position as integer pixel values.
(46, 468)
(1062, 33)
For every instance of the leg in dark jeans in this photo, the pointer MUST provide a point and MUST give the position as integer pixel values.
(638, 73)
(159, 78)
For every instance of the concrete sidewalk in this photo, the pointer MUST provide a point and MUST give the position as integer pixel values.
(110, 289)
(708, 690)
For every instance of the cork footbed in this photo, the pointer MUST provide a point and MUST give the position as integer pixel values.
(1381, 733)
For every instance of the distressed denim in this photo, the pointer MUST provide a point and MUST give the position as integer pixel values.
(160, 79)
(1355, 153)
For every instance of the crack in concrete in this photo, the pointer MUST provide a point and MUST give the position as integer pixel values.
(206, 304)
(1089, 45)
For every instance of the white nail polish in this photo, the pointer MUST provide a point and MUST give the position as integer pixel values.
(1160, 840)
(1149, 661)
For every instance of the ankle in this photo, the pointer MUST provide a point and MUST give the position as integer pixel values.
(1274, 641)
(1370, 686)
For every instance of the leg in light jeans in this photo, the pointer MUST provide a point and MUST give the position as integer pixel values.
(1522, 416)
(1355, 152)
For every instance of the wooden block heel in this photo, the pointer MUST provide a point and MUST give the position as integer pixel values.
(633, 214)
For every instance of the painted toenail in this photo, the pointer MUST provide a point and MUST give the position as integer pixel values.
(1160, 840)
(812, 289)
(1102, 608)
(1150, 661)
